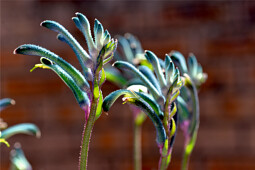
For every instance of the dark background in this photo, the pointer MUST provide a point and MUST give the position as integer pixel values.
(222, 36)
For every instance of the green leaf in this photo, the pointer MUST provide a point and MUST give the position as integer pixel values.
(99, 105)
(102, 77)
(99, 62)
(23, 128)
(173, 111)
(173, 127)
(29, 49)
(147, 83)
(96, 90)
(174, 96)
(153, 59)
(5, 103)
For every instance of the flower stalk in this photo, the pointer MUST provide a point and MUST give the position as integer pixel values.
(100, 53)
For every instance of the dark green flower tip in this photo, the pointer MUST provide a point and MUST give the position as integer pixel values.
(6, 102)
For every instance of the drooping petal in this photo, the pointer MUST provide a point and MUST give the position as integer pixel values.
(30, 49)
(84, 27)
(81, 96)
(23, 128)
(6, 102)
(82, 55)
(85, 66)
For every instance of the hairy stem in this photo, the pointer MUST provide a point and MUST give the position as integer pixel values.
(164, 162)
(87, 135)
(137, 147)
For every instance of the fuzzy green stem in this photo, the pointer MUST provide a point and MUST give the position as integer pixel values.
(137, 147)
(188, 148)
(165, 162)
(191, 139)
(138, 121)
(185, 160)
(165, 157)
(87, 135)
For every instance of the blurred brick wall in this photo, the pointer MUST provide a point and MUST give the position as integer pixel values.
(220, 34)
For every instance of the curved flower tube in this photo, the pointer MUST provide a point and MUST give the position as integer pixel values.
(161, 108)
(22, 128)
(130, 50)
(18, 159)
(5, 103)
(101, 50)
(188, 103)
